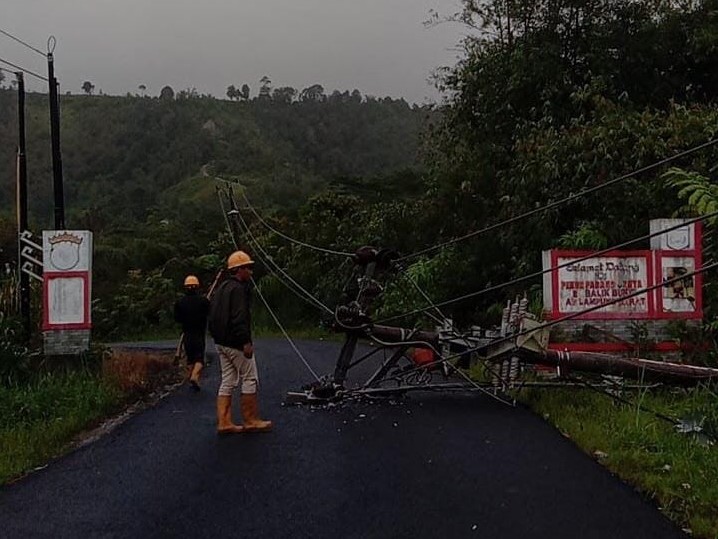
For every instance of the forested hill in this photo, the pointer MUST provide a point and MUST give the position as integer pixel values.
(120, 153)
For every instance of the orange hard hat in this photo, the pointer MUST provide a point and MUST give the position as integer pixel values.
(191, 280)
(238, 259)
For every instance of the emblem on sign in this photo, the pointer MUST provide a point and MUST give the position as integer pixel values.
(679, 239)
(65, 251)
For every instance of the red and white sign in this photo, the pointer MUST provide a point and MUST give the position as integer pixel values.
(576, 286)
(67, 279)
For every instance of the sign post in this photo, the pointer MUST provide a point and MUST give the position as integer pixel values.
(67, 291)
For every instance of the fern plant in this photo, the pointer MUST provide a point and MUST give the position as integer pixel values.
(699, 194)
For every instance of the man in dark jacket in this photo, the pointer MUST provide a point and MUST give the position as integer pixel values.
(230, 323)
(191, 311)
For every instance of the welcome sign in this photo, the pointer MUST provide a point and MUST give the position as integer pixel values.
(580, 281)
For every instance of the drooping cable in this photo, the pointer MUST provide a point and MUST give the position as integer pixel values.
(266, 303)
(269, 263)
(450, 365)
(561, 202)
(571, 316)
(573, 261)
(284, 331)
(289, 238)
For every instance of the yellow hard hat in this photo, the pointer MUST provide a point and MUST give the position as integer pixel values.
(191, 280)
(238, 259)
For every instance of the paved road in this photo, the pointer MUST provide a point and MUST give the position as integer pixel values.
(434, 466)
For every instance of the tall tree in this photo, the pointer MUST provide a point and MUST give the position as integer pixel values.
(244, 92)
(167, 93)
(315, 92)
(88, 87)
(265, 88)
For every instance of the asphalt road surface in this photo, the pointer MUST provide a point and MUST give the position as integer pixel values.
(431, 466)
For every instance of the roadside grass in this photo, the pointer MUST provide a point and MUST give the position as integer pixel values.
(40, 419)
(677, 471)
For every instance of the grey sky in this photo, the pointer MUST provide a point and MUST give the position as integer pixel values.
(378, 46)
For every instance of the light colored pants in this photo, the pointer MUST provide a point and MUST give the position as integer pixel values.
(235, 369)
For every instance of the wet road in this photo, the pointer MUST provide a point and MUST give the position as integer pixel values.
(430, 466)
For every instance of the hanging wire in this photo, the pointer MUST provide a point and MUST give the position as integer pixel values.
(289, 238)
(270, 261)
(19, 68)
(572, 316)
(549, 270)
(286, 335)
(453, 367)
(266, 304)
(270, 265)
(8, 34)
(561, 202)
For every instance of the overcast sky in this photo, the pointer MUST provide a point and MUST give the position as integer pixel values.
(380, 47)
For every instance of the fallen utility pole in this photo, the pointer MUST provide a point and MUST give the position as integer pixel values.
(637, 369)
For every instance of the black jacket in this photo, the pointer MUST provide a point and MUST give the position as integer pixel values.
(230, 319)
(191, 311)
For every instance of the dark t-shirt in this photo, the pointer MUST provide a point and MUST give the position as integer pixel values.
(191, 311)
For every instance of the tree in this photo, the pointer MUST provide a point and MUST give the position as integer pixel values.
(265, 90)
(88, 87)
(232, 92)
(167, 93)
(142, 88)
(2, 77)
(244, 93)
(315, 93)
(284, 95)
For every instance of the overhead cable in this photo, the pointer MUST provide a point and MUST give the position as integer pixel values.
(8, 34)
(289, 238)
(273, 267)
(264, 301)
(518, 280)
(569, 198)
(19, 68)
(570, 316)
(269, 263)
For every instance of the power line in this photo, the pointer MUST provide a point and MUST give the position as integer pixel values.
(549, 270)
(23, 43)
(271, 266)
(565, 200)
(24, 70)
(289, 238)
(567, 317)
(261, 296)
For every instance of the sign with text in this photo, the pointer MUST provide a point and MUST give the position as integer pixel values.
(590, 283)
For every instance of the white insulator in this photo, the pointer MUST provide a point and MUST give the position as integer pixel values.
(505, 320)
(513, 317)
(514, 369)
(505, 371)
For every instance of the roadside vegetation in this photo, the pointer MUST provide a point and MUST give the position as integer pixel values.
(47, 404)
(675, 470)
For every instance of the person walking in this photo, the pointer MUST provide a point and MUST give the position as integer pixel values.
(230, 324)
(192, 311)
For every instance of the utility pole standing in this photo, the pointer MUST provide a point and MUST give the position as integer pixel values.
(55, 138)
(21, 191)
